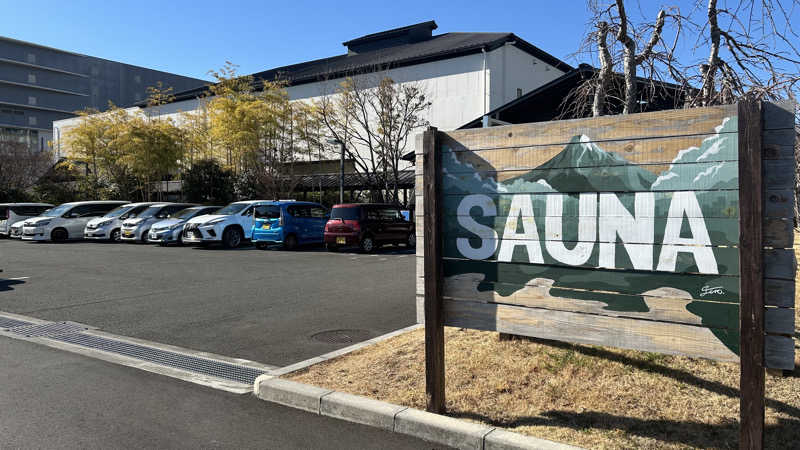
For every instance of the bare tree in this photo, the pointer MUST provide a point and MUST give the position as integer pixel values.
(21, 167)
(374, 118)
(752, 51)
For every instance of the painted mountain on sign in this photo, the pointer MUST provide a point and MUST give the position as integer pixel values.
(584, 167)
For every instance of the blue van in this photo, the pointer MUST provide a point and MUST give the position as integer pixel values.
(289, 223)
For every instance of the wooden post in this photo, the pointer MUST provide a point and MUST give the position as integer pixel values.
(434, 320)
(751, 423)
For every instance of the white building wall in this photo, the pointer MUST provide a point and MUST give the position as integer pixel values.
(460, 89)
(515, 69)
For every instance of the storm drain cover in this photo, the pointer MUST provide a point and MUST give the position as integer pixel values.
(341, 336)
(6, 322)
(203, 366)
(47, 329)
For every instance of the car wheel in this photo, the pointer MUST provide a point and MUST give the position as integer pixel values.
(143, 240)
(290, 242)
(231, 237)
(114, 236)
(59, 235)
(411, 242)
(367, 244)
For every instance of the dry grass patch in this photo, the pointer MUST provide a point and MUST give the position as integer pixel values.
(594, 397)
(589, 396)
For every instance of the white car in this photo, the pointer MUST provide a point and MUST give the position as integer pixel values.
(137, 228)
(170, 230)
(15, 230)
(230, 225)
(11, 213)
(107, 228)
(65, 221)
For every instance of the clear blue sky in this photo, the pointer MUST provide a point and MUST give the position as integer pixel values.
(189, 38)
(193, 37)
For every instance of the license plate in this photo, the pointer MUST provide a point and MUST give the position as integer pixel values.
(127, 234)
(265, 226)
(341, 240)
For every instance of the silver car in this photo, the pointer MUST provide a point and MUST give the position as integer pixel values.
(108, 227)
(170, 230)
(137, 228)
(15, 230)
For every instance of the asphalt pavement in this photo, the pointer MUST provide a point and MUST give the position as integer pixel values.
(261, 305)
(56, 399)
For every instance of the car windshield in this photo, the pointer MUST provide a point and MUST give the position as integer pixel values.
(150, 212)
(116, 212)
(349, 213)
(233, 208)
(184, 213)
(57, 211)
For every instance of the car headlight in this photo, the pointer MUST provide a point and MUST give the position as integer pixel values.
(42, 223)
(177, 226)
(104, 223)
(215, 221)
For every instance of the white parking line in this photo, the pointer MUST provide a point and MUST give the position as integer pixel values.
(18, 278)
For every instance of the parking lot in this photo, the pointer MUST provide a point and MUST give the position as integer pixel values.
(263, 305)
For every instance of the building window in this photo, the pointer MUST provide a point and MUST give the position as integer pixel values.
(32, 100)
(31, 58)
(32, 120)
(32, 78)
(519, 92)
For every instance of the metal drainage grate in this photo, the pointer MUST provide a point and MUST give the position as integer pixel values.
(342, 336)
(6, 322)
(212, 368)
(47, 329)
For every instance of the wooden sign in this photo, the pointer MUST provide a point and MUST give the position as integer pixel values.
(633, 231)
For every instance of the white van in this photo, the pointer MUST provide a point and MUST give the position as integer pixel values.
(107, 228)
(11, 213)
(66, 221)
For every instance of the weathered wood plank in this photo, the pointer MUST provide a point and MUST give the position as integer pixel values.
(778, 263)
(668, 306)
(778, 233)
(697, 121)
(656, 150)
(514, 276)
(779, 352)
(434, 312)
(613, 178)
(777, 204)
(725, 258)
(645, 335)
(778, 115)
(779, 293)
(779, 320)
(751, 412)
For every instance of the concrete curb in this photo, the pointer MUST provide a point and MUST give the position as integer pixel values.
(399, 419)
(342, 351)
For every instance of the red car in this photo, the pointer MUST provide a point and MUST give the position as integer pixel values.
(368, 226)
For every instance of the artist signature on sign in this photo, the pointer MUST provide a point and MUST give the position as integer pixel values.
(710, 290)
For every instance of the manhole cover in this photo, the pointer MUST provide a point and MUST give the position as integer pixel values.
(341, 336)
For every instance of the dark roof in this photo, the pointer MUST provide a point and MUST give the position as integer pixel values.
(423, 28)
(392, 55)
(544, 103)
(405, 180)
